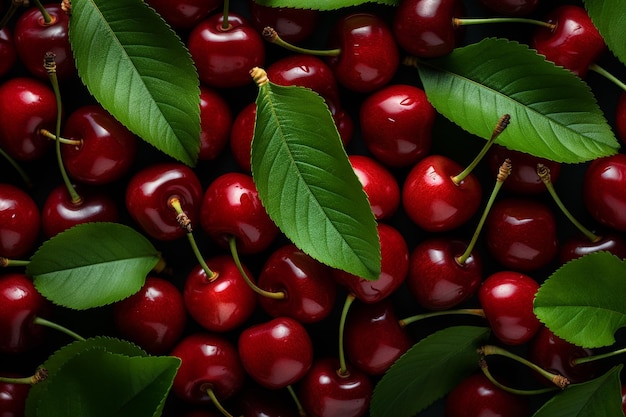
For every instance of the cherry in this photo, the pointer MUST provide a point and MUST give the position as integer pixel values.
(511, 7)
(624, 398)
(620, 117)
(507, 300)
(215, 122)
(20, 219)
(241, 136)
(579, 246)
(8, 54)
(149, 193)
(184, 15)
(224, 49)
(261, 402)
(381, 187)
(309, 290)
(293, 25)
(153, 318)
(396, 124)
(220, 303)
(603, 195)
(13, 397)
(26, 106)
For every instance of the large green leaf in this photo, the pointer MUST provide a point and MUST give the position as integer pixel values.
(554, 114)
(609, 16)
(92, 264)
(322, 4)
(139, 70)
(306, 182)
(583, 301)
(428, 371)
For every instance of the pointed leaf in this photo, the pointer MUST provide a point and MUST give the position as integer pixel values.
(322, 4)
(554, 115)
(582, 302)
(428, 371)
(600, 397)
(92, 264)
(306, 182)
(610, 19)
(139, 70)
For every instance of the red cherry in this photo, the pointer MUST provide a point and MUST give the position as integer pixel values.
(182, 15)
(20, 219)
(223, 303)
(153, 318)
(292, 25)
(433, 201)
(8, 54)
(241, 136)
(579, 246)
(396, 124)
(624, 398)
(379, 184)
(507, 300)
(603, 190)
(224, 56)
(215, 122)
(511, 7)
(13, 397)
(262, 402)
(276, 353)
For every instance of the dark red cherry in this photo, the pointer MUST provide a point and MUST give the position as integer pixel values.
(396, 124)
(241, 137)
(8, 54)
(292, 25)
(225, 55)
(216, 120)
(153, 318)
(20, 219)
(208, 361)
(276, 353)
(511, 7)
(184, 14)
(262, 402)
(379, 184)
(574, 43)
(603, 191)
(433, 201)
(620, 117)
(231, 208)
(148, 195)
(309, 290)
(579, 246)
(624, 398)
(107, 149)
(223, 303)
(13, 397)
(26, 106)
(507, 300)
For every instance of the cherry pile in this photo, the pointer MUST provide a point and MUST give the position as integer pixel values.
(277, 332)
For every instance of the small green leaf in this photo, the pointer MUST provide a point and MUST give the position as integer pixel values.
(428, 371)
(92, 264)
(582, 302)
(138, 69)
(609, 17)
(322, 4)
(600, 397)
(554, 114)
(306, 182)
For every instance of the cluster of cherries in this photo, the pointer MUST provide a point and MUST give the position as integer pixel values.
(253, 333)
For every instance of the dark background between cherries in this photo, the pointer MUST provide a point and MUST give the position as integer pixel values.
(448, 139)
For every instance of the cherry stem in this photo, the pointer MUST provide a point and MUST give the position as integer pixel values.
(47, 19)
(343, 368)
(279, 295)
(469, 311)
(40, 375)
(503, 173)
(5, 262)
(296, 400)
(46, 323)
(494, 381)
(598, 69)
(544, 173)
(456, 22)
(270, 35)
(559, 380)
(50, 135)
(15, 4)
(225, 11)
(18, 168)
(217, 402)
(586, 359)
(503, 122)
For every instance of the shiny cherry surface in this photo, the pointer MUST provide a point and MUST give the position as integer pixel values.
(184, 14)
(604, 192)
(20, 219)
(13, 397)
(216, 120)
(241, 137)
(292, 25)
(381, 187)
(578, 246)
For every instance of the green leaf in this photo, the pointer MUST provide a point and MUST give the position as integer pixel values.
(92, 264)
(582, 302)
(610, 19)
(322, 4)
(138, 69)
(600, 397)
(428, 371)
(306, 182)
(554, 114)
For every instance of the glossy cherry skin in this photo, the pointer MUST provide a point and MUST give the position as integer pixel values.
(224, 57)
(148, 193)
(310, 291)
(216, 120)
(624, 398)
(153, 318)
(374, 338)
(425, 28)
(276, 353)
(184, 14)
(603, 191)
(221, 304)
(579, 246)
(394, 268)
(323, 392)
(60, 213)
(21, 221)
(369, 56)
(107, 150)
(379, 184)
(34, 38)
(476, 396)
(8, 54)
(574, 43)
(521, 234)
(436, 279)
(396, 124)
(13, 397)
(207, 361)
(292, 25)
(433, 201)
(511, 7)
(241, 137)
(231, 207)
(507, 300)
(26, 105)
(620, 117)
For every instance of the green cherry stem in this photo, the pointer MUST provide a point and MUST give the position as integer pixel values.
(50, 135)
(296, 400)
(586, 359)
(225, 11)
(494, 381)
(216, 402)
(18, 168)
(343, 368)
(40, 375)
(456, 22)
(463, 311)
(46, 323)
(270, 35)
(598, 69)
(48, 20)
(6, 262)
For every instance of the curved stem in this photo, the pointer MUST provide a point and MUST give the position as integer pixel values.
(5, 262)
(217, 403)
(480, 20)
(468, 311)
(50, 135)
(40, 375)
(16, 166)
(48, 20)
(296, 400)
(272, 36)
(55, 326)
(598, 69)
(586, 359)
(494, 381)
(343, 368)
